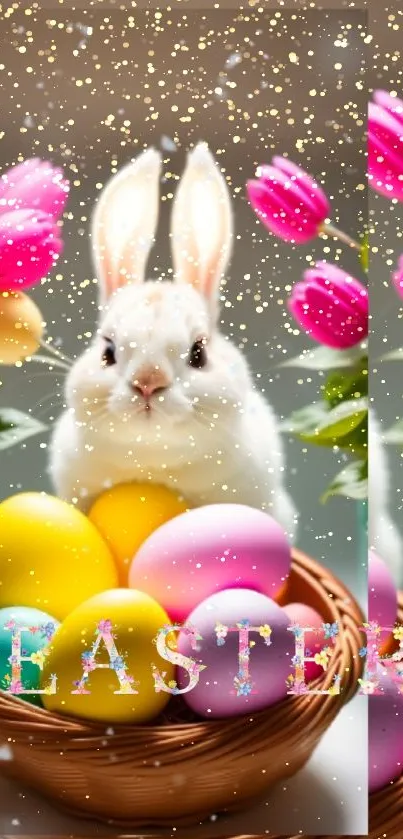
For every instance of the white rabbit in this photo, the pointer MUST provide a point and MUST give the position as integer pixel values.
(161, 395)
(383, 535)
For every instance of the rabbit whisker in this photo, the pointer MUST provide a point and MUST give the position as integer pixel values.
(47, 345)
(58, 397)
(210, 424)
(38, 373)
(52, 362)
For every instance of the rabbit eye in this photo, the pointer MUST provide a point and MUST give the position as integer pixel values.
(198, 355)
(109, 354)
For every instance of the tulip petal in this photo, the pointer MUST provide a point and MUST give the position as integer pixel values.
(389, 103)
(342, 284)
(385, 169)
(327, 311)
(306, 182)
(29, 247)
(34, 184)
(17, 172)
(293, 199)
(397, 277)
(300, 310)
(384, 127)
(345, 324)
(284, 225)
(378, 147)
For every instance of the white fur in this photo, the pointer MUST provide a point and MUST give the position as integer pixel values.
(383, 535)
(210, 436)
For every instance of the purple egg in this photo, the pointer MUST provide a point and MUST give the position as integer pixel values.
(215, 695)
(385, 730)
(210, 549)
(382, 594)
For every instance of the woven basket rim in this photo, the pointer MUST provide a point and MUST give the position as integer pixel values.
(88, 728)
(231, 743)
(386, 805)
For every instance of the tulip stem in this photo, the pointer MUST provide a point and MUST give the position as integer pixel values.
(330, 230)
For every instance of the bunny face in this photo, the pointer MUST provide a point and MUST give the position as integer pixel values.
(158, 361)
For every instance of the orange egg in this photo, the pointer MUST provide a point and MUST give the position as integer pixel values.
(21, 327)
(127, 514)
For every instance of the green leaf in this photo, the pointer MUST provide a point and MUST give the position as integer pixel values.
(393, 355)
(306, 420)
(351, 482)
(364, 253)
(16, 427)
(394, 435)
(341, 385)
(324, 358)
(339, 422)
(344, 426)
(4, 426)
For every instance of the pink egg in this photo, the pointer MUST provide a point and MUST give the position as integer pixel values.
(215, 695)
(385, 730)
(382, 594)
(305, 616)
(210, 549)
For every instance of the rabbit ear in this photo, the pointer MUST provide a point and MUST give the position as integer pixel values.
(125, 222)
(201, 227)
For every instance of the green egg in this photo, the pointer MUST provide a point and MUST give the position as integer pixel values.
(31, 643)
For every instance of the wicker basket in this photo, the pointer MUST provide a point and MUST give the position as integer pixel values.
(385, 806)
(176, 771)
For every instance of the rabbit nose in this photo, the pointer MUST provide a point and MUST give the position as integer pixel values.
(149, 384)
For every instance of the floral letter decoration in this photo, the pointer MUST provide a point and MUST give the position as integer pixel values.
(17, 657)
(166, 648)
(375, 665)
(104, 633)
(242, 682)
(298, 686)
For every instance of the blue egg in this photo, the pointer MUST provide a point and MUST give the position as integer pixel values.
(31, 642)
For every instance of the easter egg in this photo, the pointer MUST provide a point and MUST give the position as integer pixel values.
(21, 327)
(305, 616)
(207, 550)
(382, 594)
(133, 618)
(222, 691)
(385, 733)
(51, 557)
(31, 644)
(126, 515)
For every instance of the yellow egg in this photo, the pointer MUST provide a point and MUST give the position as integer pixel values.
(21, 327)
(135, 619)
(51, 557)
(127, 514)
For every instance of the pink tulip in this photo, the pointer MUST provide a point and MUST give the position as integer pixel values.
(33, 195)
(385, 145)
(34, 184)
(29, 247)
(331, 306)
(288, 201)
(397, 277)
